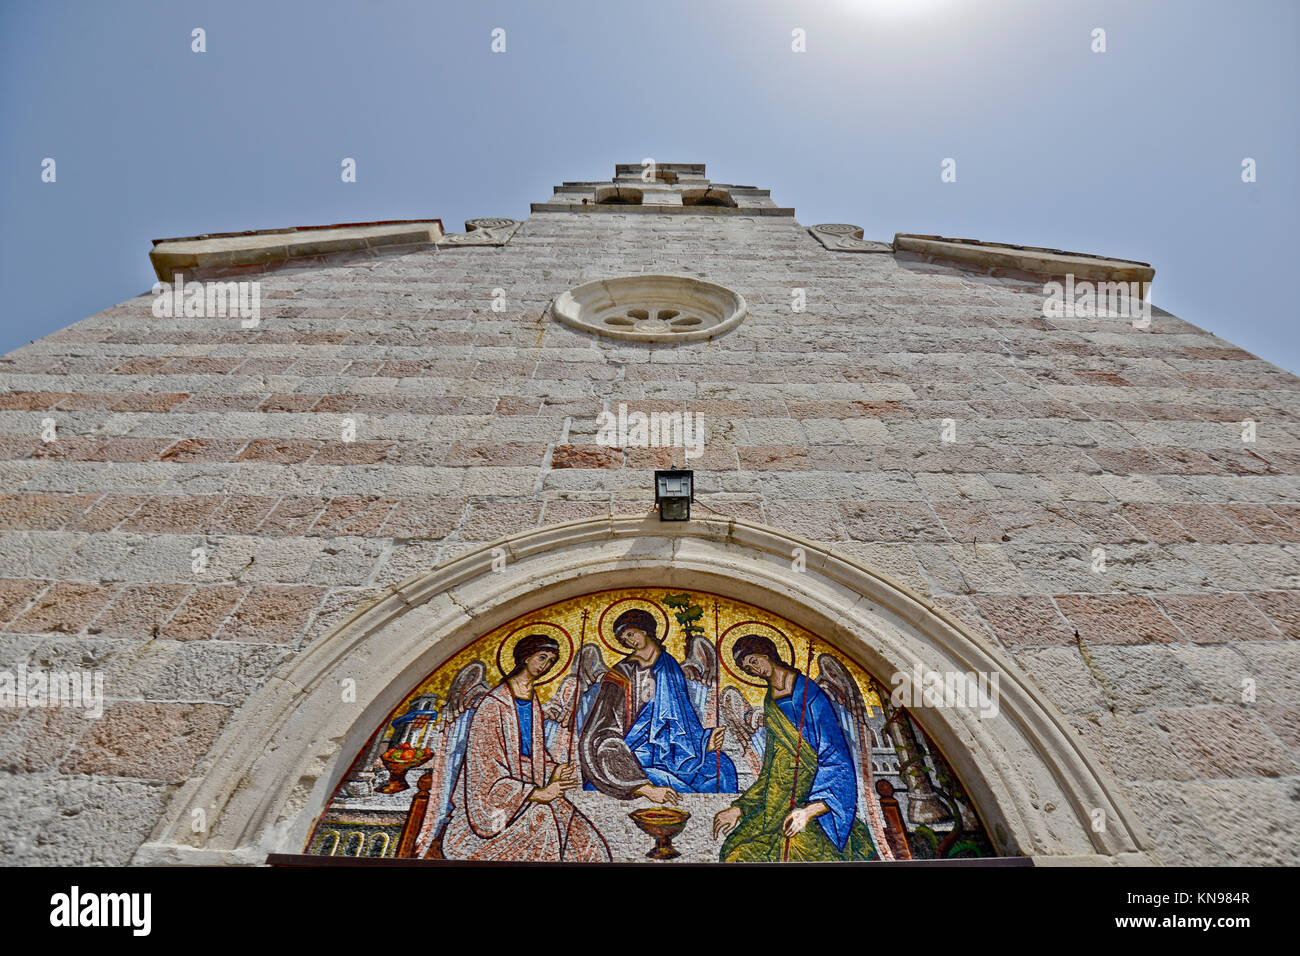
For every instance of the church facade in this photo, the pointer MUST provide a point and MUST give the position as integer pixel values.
(654, 525)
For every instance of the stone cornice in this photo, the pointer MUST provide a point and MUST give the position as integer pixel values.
(1033, 259)
(597, 209)
(199, 257)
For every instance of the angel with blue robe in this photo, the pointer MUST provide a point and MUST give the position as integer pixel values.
(644, 736)
(804, 804)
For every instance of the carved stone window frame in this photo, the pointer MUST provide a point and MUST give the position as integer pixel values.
(652, 308)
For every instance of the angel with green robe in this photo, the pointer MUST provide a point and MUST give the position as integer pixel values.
(803, 806)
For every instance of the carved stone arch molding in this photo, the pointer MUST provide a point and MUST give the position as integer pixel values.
(277, 762)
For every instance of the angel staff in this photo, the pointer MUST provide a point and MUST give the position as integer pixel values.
(717, 692)
(577, 683)
(794, 787)
(573, 716)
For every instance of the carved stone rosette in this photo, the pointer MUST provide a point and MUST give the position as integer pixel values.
(483, 232)
(651, 308)
(842, 237)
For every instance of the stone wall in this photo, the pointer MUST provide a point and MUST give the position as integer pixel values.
(181, 434)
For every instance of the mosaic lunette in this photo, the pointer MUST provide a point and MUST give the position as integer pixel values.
(652, 724)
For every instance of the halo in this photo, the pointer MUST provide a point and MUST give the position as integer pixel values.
(560, 665)
(724, 649)
(606, 631)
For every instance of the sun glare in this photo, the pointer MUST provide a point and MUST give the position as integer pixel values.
(896, 9)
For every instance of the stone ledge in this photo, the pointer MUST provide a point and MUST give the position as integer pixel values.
(635, 169)
(596, 208)
(1118, 859)
(588, 187)
(1031, 259)
(261, 250)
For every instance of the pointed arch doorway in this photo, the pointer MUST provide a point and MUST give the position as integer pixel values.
(1010, 780)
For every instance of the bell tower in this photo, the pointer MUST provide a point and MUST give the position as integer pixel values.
(662, 188)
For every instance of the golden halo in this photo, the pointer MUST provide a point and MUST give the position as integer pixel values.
(605, 623)
(751, 627)
(560, 665)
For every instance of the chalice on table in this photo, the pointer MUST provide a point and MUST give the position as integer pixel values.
(662, 823)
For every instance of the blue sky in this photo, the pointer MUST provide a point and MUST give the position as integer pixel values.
(1135, 152)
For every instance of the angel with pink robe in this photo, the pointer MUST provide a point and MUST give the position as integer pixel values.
(509, 802)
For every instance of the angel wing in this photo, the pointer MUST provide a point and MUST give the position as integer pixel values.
(558, 708)
(743, 721)
(834, 678)
(700, 668)
(701, 662)
(586, 671)
(468, 688)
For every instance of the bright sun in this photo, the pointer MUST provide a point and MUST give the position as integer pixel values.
(894, 9)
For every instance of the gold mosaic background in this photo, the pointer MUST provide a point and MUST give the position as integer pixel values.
(564, 622)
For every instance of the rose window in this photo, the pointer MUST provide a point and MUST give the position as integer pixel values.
(652, 308)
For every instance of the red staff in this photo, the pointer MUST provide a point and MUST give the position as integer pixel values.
(794, 787)
(573, 717)
(577, 684)
(717, 691)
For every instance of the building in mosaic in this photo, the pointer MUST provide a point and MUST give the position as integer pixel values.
(372, 541)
